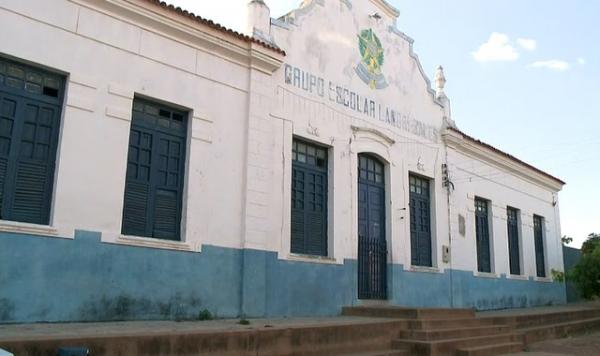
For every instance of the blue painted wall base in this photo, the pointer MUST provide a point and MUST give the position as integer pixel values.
(45, 279)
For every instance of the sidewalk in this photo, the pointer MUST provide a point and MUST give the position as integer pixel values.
(47, 331)
(572, 346)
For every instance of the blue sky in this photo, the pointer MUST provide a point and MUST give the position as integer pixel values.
(523, 76)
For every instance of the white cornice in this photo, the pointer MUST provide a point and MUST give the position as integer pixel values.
(482, 153)
(189, 32)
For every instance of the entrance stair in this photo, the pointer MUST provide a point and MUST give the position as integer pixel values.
(464, 332)
(361, 331)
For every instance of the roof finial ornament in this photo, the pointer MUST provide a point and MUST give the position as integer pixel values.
(440, 83)
(440, 95)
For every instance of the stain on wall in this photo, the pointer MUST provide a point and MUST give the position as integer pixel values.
(46, 279)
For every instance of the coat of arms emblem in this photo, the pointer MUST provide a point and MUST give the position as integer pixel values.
(371, 52)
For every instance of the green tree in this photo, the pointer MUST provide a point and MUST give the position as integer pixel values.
(566, 240)
(590, 244)
(586, 273)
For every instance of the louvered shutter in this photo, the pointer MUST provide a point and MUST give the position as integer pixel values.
(8, 112)
(539, 246)
(155, 169)
(482, 235)
(35, 164)
(30, 102)
(513, 241)
(135, 208)
(309, 199)
(315, 215)
(420, 221)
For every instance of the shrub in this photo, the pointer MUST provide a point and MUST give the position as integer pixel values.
(586, 273)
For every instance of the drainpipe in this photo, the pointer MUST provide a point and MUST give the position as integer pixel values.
(440, 95)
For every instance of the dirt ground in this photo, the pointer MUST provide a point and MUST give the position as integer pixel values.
(582, 345)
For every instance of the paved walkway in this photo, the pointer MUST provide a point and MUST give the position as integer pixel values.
(540, 310)
(588, 345)
(133, 328)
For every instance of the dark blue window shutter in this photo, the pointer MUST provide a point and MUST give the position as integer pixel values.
(513, 240)
(482, 233)
(538, 234)
(30, 102)
(155, 171)
(420, 221)
(309, 199)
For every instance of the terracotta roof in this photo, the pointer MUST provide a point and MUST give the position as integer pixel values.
(184, 13)
(511, 157)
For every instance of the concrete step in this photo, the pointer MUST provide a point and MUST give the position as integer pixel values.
(449, 346)
(531, 320)
(377, 353)
(489, 350)
(408, 313)
(560, 330)
(453, 333)
(435, 324)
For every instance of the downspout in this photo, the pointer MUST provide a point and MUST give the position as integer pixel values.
(440, 95)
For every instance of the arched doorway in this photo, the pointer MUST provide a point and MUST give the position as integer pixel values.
(372, 246)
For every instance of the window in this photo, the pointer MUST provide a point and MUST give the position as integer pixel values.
(538, 235)
(482, 232)
(30, 109)
(309, 199)
(420, 221)
(512, 218)
(155, 171)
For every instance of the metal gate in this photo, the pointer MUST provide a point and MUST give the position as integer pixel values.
(372, 248)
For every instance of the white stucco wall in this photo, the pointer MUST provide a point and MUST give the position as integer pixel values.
(476, 178)
(242, 121)
(108, 58)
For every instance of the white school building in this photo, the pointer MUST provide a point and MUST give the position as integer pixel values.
(154, 164)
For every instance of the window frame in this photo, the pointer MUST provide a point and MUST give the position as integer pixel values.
(543, 273)
(431, 216)
(315, 164)
(517, 226)
(51, 87)
(489, 222)
(158, 133)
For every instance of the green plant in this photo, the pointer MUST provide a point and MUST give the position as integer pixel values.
(244, 322)
(566, 240)
(590, 244)
(205, 315)
(586, 273)
(557, 276)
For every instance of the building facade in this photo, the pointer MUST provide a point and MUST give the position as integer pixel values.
(154, 164)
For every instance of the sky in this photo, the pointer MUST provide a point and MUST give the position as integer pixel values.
(523, 76)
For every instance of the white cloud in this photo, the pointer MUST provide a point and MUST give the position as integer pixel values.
(553, 64)
(497, 48)
(527, 44)
(581, 60)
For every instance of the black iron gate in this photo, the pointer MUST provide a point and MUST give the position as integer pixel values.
(372, 247)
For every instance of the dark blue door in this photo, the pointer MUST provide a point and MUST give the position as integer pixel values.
(372, 248)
